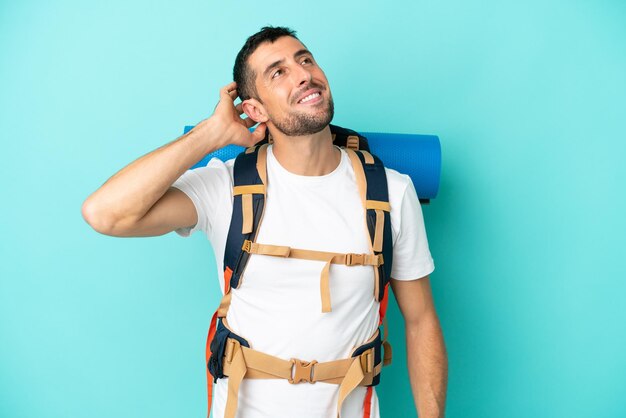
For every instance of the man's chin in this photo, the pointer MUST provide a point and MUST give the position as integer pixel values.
(305, 123)
(302, 127)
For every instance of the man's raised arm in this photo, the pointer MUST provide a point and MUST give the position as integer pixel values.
(139, 200)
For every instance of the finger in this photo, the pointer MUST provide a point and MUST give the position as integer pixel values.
(230, 95)
(259, 132)
(239, 108)
(248, 122)
(229, 90)
(230, 86)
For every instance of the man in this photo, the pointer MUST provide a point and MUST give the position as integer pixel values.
(312, 202)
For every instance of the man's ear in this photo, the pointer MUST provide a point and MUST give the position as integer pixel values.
(255, 110)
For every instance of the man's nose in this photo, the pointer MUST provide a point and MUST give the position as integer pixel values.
(303, 75)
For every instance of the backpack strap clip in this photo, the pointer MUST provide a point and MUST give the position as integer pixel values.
(302, 371)
(354, 259)
(352, 142)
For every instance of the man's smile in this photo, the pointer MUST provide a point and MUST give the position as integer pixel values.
(311, 96)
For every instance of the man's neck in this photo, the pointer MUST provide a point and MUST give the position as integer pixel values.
(309, 155)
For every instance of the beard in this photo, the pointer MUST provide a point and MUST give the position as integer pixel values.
(300, 124)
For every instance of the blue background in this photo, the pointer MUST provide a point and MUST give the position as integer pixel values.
(527, 232)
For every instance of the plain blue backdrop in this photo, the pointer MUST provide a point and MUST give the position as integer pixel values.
(527, 233)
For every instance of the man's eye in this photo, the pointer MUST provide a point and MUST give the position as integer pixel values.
(306, 61)
(277, 73)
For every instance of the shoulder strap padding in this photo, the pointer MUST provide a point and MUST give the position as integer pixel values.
(245, 173)
(377, 191)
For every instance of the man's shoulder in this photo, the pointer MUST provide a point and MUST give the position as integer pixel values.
(396, 181)
(216, 166)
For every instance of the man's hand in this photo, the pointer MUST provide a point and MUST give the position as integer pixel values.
(229, 121)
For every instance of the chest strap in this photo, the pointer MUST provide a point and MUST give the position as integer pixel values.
(349, 259)
(240, 362)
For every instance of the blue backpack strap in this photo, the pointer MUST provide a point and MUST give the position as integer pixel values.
(250, 178)
(378, 215)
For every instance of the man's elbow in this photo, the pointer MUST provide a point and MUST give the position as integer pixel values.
(101, 220)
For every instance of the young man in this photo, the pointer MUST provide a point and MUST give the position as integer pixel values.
(313, 203)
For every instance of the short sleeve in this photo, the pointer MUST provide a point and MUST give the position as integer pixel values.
(411, 255)
(209, 188)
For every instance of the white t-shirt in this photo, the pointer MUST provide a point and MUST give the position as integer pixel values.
(277, 307)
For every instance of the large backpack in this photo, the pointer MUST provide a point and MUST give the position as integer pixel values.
(228, 354)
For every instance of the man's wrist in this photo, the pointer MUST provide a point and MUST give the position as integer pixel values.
(206, 135)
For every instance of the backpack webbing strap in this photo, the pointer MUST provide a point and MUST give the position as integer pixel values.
(369, 158)
(243, 362)
(349, 259)
(379, 208)
(246, 193)
(367, 403)
(260, 365)
(353, 378)
(387, 353)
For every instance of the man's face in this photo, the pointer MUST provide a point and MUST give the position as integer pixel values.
(291, 86)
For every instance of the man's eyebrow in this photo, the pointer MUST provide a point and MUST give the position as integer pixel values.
(275, 64)
(272, 66)
(301, 52)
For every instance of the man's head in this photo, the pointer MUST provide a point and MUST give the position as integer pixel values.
(280, 83)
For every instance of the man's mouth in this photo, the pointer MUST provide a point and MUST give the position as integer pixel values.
(310, 96)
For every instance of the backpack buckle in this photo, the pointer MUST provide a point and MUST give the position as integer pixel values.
(231, 346)
(367, 361)
(352, 142)
(355, 259)
(247, 245)
(301, 371)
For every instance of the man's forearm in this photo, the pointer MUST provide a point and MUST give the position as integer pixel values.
(132, 191)
(428, 366)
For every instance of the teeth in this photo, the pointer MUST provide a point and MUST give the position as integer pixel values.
(309, 97)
